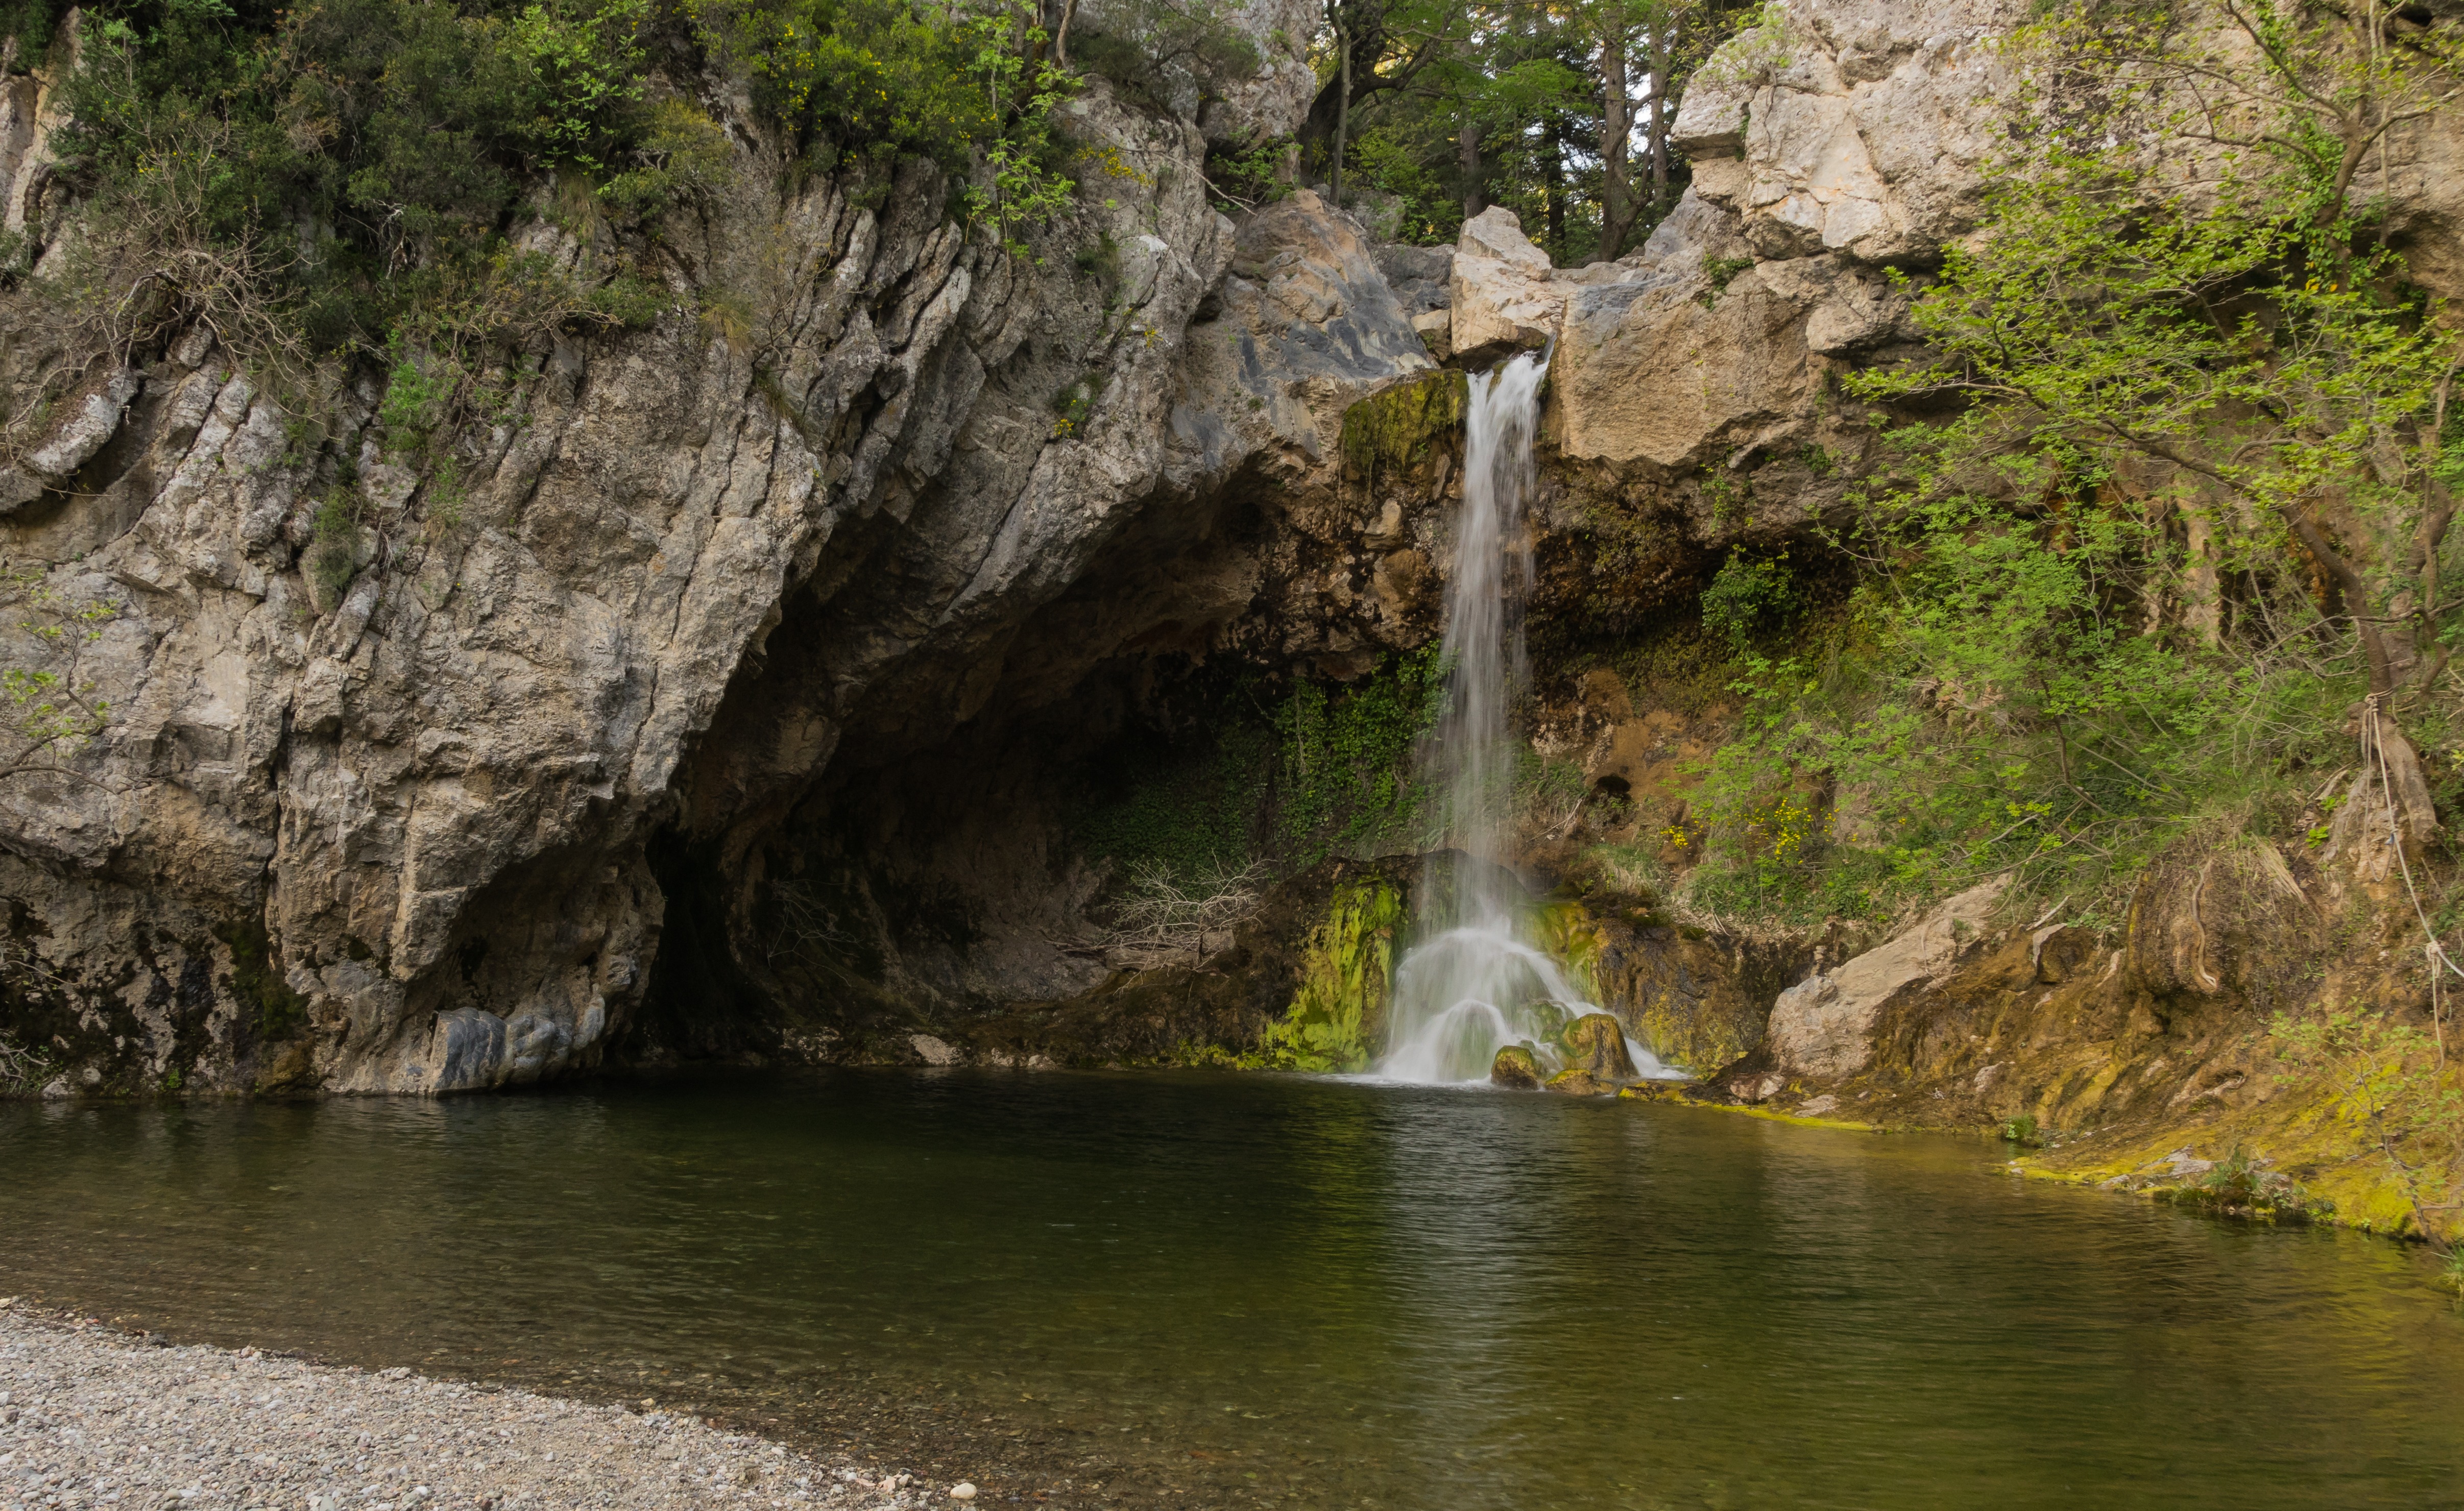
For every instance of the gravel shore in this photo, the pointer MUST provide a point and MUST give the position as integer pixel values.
(90, 1416)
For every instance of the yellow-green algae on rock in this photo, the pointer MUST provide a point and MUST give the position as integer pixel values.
(1680, 997)
(1596, 1059)
(1515, 1070)
(1346, 978)
(1396, 427)
(2322, 1144)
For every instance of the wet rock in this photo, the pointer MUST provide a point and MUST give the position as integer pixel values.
(1594, 1044)
(1514, 1069)
(1578, 1082)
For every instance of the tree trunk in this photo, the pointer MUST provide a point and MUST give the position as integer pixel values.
(1552, 181)
(1657, 127)
(1617, 205)
(1360, 30)
(1343, 111)
(1475, 197)
(1061, 33)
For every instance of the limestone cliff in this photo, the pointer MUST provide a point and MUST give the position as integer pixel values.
(407, 834)
(734, 708)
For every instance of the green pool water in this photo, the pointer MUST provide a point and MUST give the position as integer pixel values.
(1218, 1290)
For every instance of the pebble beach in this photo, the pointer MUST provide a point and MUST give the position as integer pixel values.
(93, 1417)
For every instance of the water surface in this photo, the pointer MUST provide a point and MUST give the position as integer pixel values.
(1200, 1290)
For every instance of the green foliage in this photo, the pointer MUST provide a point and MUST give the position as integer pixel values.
(334, 556)
(1192, 806)
(1345, 775)
(31, 25)
(1346, 978)
(24, 1067)
(578, 69)
(1247, 180)
(1747, 596)
(1291, 776)
(1722, 271)
(49, 711)
(968, 83)
(2155, 418)
(678, 155)
(1073, 406)
(1020, 188)
(1534, 90)
(1150, 46)
(313, 181)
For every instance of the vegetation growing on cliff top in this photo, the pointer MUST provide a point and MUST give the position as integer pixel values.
(433, 187)
(2191, 502)
(1561, 113)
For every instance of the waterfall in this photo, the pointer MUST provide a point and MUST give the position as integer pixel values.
(1476, 984)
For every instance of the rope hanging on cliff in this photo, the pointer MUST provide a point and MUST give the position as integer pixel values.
(2374, 754)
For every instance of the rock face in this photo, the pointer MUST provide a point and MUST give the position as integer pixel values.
(727, 680)
(391, 829)
(1853, 126)
(1820, 1027)
(432, 793)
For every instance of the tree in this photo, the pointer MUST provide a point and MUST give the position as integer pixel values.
(2171, 492)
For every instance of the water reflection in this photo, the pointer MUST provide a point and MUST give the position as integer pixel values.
(1263, 1287)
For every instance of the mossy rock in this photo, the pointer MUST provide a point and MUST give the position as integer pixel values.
(1394, 428)
(1346, 976)
(1654, 1091)
(1514, 1069)
(1578, 1082)
(1596, 1043)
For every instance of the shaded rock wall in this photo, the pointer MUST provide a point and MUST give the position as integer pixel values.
(698, 566)
(738, 712)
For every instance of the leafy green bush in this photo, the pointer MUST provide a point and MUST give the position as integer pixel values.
(1291, 776)
(1345, 780)
(1747, 596)
(2168, 487)
(1143, 45)
(968, 83)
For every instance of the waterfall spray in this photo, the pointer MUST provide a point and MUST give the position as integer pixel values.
(1474, 984)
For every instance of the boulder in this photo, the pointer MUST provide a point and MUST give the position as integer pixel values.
(1596, 1043)
(1820, 1027)
(1578, 1082)
(1302, 326)
(1857, 126)
(1503, 294)
(1514, 1069)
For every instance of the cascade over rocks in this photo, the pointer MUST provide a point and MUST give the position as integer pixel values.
(739, 715)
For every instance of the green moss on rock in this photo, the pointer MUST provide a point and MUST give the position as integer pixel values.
(1346, 979)
(1594, 1044)
(1515, 1070)
(1392, 428)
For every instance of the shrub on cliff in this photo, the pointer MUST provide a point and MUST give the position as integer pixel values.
(2179, 492)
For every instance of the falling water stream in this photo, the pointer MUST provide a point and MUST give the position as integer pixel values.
(1477, 983)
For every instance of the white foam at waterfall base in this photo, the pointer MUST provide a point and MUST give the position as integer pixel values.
(1478, 984)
